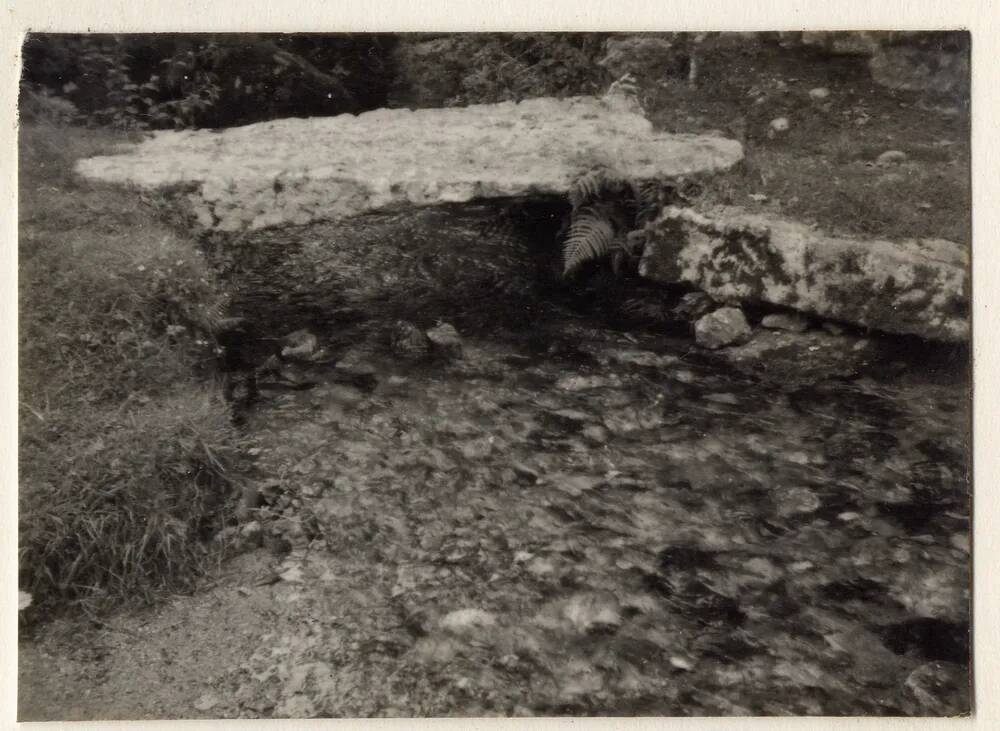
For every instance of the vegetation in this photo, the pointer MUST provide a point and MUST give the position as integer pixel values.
(514, 66)
(127, 455)
(606, 208)
(207, 80)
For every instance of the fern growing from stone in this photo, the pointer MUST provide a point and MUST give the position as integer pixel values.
(591, 236)
(606, 207)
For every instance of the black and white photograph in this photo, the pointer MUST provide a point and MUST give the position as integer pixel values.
(494, 374)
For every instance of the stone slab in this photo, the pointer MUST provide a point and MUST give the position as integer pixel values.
(298, 171)
(915, 286)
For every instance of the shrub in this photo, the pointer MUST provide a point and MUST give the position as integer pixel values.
(208, 80)
(479, 68)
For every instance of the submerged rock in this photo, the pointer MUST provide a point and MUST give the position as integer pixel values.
(915, 286)
(298, 171)
(408, 341)
(355, 362)
(725, 326)
(782, 321)
(465, 621)
(299, 345)
(790, 357)
(940, 688)
(446, 341)
(693, 306)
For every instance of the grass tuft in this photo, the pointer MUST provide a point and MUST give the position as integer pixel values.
(127, 455)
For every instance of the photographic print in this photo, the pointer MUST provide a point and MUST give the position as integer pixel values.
(494, 374)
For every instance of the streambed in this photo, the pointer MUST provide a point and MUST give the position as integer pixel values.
(575, 519)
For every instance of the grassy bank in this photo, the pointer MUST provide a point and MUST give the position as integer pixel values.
(824, 168)
(126, 452)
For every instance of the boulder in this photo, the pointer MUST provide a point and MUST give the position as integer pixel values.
(722, 327)
(300, 171)
(915, 286)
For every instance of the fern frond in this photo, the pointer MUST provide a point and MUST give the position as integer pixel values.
(595, 185)
(591, 236)
(586, 188)
(627, 84)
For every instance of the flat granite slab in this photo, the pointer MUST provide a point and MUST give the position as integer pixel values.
(297, 171)
(910, 287)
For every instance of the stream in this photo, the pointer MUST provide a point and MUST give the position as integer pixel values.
(575, 519)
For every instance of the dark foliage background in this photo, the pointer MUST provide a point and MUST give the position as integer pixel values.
(205, 80)
(162, 81)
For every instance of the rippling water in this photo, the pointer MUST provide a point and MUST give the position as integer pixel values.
(578, 520)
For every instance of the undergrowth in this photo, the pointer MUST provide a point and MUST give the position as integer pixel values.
(126, 454)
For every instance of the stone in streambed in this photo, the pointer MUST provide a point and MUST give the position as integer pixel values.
(725, 326)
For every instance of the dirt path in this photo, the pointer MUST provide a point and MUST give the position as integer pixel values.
(596, 529)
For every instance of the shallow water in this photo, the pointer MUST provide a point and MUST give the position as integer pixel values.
(593, 522)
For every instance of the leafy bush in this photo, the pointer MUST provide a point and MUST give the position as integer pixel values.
(479, 68)
(208, 80)
(43, 106)
(519, 65)
(125, 457)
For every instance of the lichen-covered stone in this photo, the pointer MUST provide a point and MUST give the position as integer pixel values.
(917, 286)
(298, 171)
